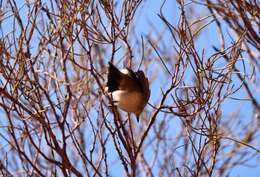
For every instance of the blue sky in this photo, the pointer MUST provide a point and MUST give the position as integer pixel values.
(147, 15)
(208, 38)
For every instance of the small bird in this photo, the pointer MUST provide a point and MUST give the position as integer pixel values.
(129, 90)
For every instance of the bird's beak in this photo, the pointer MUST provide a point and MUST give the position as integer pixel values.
(137, 117)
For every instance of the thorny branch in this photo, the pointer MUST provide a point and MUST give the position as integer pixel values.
(58, 120)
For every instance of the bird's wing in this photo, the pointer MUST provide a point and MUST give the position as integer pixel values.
(132, 78)
(127, 81)
(144, 84)
(114, 77)
(118, 80)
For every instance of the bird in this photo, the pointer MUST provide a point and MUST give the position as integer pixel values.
(129, 90)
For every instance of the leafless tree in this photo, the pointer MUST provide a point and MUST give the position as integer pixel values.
(57, 118)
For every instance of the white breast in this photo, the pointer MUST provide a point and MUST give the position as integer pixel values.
(124, 71)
